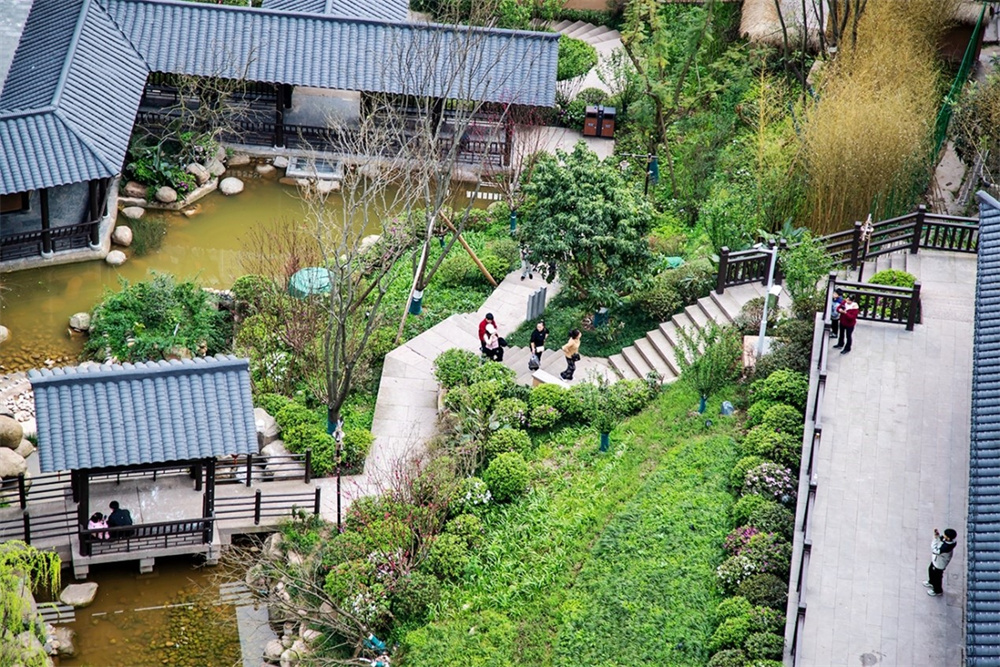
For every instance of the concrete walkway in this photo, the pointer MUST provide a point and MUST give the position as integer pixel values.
(892, 466)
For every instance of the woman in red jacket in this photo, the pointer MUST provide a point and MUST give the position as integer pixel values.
(848, 318)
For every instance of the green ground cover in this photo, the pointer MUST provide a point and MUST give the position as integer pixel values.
(518, 603)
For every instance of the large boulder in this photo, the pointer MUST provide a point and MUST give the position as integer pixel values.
(11, 432)
(281, 162)
(267, 427)
(31, 647)
(368, 241)
(80, 321)
(273, 650)
(231, 186)
(266, 170)
(272, 547)
(116, 258)
(238, 160)
(276, 448)
(166, 195)
(216, 168)
(200, 173)
(79, 595)
(4, 333)
(26, 449)
(12, 464)
(136, 190)
(133, 212)
(65, 639)
(122, 236)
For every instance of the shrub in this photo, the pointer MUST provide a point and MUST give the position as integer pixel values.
(733, 607)
(510, 413)
(576, 58)
(660, 298)
(507, 440)
(765, 590)
(453, 367)
(732, 657)
(272, 403)
(448, 556)
(592, 96)
(747, 507)
(302, 437)
(413, 595)
(485, 395)
(738, 476)
(435, 484)
(771, 480)
(356, 445)
(766, 663)
(803, 265)
(784, 419)
(731, 633)
(389, 533)
(748, 321)
(764, 645)
(471, 495)
(507, 476)
(894, 278)
(781, 447)
(249, 291)
(543, 417)
(772, 517)
(549, 394)
(733, 571)
(738, 538)
(457, 399)
(768, 553)
(467, 526)
(295, 414)
(628, 397)
(492, 371)
(505, 249)
(578, 404)
(574, 115)
(765, 619)
(782, 386)
(344, 579)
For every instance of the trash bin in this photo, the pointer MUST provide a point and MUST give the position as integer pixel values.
(607, 122)
(600, 317)
(591, 122)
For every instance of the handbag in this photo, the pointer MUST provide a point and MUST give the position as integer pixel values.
(533, 362)
(576, 357)
(502, 341)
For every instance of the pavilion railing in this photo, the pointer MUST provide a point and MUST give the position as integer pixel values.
(145, 536)
(883, 303)
(272, 506)
(30, 244)
(246, 469)
(34, 528)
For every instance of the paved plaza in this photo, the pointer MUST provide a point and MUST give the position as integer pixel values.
(892, 466)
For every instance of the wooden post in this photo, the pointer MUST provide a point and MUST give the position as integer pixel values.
(279, 118)
(26, 521)
(83, 510)
(508, 143)
(209, 488)
(855, 244)
(286, 92)
(911, 316)
(720, 280)
(472, 253)
(918, 229)
(22, 492)
(256, 508)
(316, 501)
(43, 199)
(93, 199)
(308, 473)
(779, 275)
(249, 468)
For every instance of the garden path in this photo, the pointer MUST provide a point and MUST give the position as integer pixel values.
(892, 467)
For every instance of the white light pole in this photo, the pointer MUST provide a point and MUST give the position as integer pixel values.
(772, 290)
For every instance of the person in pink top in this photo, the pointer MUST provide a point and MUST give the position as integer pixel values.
(848, 318)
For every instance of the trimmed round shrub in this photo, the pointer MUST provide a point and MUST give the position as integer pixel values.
(507, 440)
(453, 367)
(731, 633)
(250, 290)
(341, 547)
(580, 401)
(543, 417)
(628, 397)
(732, 607)
(782, 386)
(764, 646)
(592, 96)
(765, 663)
(731, 657)
(661, 298)
(510, 413)
(738, 475)
(772, 517)
(302, 437)
(457, 399)
(549, 394)
(771, 480)
(492, 371)
(756, 412)
(448, 556)
(388, 535)
(766, 590)
(768, 444)
(894, 278)
(738, 538)
(467, 526)
(344, 579)
(746, 507)
(272, 403)
(507, 476)
(356, 445)
(784, 419)
(295, 414)
(471, 495)
(765, 619)
(576, 58)
(768, 553)
(413, 595)
(733, 571)
(485, 395)
(505, 248)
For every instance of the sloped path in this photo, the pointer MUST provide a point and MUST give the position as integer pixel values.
(603, 39)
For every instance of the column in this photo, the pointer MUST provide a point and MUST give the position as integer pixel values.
(43, 198)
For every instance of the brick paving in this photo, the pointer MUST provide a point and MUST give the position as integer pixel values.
(892, 466)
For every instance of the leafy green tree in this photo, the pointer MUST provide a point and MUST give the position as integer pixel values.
(804, 265)
(23, 569)
(709, 358)
(581, 214)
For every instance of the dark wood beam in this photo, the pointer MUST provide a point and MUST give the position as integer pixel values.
(43, 198)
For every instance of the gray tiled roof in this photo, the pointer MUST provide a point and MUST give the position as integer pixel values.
(384, 10)
(983, 588)
(151, 412)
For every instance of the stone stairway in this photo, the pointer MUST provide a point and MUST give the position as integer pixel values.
(656, 352)
(603, 39)
(901, 261)
(554, 363)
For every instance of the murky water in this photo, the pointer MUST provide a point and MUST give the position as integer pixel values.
(37, 303)
(169, 617)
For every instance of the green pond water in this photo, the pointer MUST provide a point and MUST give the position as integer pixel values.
(37, 303)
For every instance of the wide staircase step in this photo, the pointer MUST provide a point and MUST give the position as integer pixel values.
(622, 367)
(573, 28)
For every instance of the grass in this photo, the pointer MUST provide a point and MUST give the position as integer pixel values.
(627, 323)
(558, 555)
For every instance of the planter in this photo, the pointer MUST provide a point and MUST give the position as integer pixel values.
(605, 442)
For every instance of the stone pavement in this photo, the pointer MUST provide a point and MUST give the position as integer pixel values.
(892, 466)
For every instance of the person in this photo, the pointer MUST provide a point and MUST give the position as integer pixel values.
(488, 320)
(838, 299)
(97, 521)
(551, 272)
(118, 518)
(538, 337)
(942, 549)
(494, 349)
(848, 318)
(526, 268)
(572, 351)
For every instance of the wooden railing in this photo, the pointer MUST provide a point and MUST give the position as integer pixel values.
(744, 266)
(29, 244)
(246, 469)
(272, 506)
(883, 303)
(140, 537)
(33, 527)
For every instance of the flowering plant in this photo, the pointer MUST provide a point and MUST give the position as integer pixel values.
(771, 480)
(736, 540)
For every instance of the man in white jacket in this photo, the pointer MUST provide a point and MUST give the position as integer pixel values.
(942, 549)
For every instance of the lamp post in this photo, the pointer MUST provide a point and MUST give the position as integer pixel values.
(772, 290)
(866, 238)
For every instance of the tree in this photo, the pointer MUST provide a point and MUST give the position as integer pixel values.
(804, 264)
(976, 128)
(23, 570)
(582, 214)
(709, 358)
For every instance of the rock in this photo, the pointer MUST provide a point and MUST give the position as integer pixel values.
(79, 595)
(138, 190)
(295, 558)
(80, 321)
(238, 160)
(25, 449)
(30, 646)
(177, 352)
(275, 448)
(368, 241)
(67, 641)
(192, 211)
(11, 433)
(216, 168)
(220, 154)
(231, 186)
(310, 636)
(285, 180)
(281, 162)
(12, 464)
(272, 547)
(267, 427)
(122, 236)
(289, 658)
(273, 650)
(299, 648)
(200, 173)
(166, 194)
(325, 187)
(288, 630)
(327, 609)
(115, 258)
(133, 212)
(4, 334)
(266, 170)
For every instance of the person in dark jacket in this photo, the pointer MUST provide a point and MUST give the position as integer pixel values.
(538, 337)
(838, 299)
(118, 518)
(848, 318)
(942, 549)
